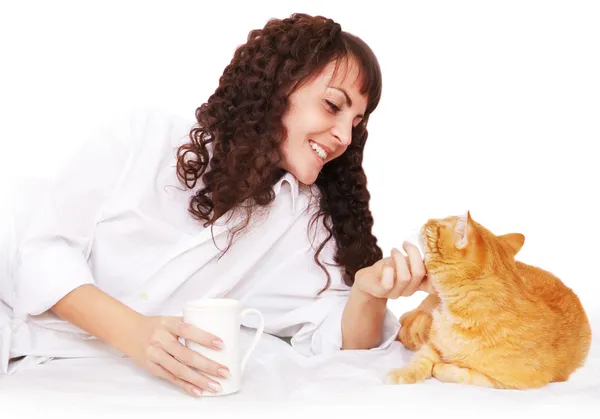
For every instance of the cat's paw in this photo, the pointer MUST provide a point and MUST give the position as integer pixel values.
(405, 375)
(448, 373)
(414, 329)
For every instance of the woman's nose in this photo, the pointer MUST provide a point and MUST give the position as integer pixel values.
(343, 133)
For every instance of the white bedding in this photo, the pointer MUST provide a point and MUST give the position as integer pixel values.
(279, 380)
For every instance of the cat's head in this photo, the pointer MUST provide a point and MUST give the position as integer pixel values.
(458, 245)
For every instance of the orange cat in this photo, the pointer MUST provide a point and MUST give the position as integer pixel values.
(495, 322)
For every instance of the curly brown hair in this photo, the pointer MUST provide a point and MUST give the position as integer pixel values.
(242, 120)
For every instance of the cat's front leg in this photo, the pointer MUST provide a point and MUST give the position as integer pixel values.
(419, 369)
(451, 373)
(414, 329)
(416, 324)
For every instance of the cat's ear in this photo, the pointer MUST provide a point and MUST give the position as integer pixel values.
(513, 241)
(463, 231)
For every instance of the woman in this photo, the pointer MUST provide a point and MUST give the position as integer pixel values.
(262, 199)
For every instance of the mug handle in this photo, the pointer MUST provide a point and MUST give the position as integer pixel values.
(259, 332)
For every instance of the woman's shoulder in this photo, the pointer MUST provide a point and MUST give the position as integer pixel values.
(154, 120)
(146, 130)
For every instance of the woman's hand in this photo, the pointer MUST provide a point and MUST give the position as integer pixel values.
(155, 347)
(151, 342)
(395, 276)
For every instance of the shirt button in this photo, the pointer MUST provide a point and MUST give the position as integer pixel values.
(144, 296)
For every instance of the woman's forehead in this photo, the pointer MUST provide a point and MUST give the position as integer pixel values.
(344, 72)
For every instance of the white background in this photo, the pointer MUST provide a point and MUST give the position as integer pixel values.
(488, 106)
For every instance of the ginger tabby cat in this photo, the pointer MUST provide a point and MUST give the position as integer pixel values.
(495, 322)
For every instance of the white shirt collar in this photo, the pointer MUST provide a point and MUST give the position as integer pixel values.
(294, 186)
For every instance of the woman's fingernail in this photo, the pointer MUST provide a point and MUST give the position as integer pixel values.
(197, 391)
(217, 344)
(223, 372)
(214, 386)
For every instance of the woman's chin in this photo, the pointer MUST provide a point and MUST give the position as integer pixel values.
(307, 181)
(306, 171)
(307, 177)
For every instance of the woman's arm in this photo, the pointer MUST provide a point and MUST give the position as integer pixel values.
(101, 315)
(151, 342)
(391, 277)
(362, 320)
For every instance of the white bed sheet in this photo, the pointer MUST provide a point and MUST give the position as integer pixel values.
(278, 382)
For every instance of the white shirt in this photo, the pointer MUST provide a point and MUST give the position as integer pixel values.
(117, 217)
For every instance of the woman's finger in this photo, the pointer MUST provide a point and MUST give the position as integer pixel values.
(387, 275)
(186, 373)
(179, 328)
(416, 268)
(161, 372)
(415, 261)
(195, 360)
(402, 274)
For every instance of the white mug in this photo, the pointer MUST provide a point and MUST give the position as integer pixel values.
(222, 317)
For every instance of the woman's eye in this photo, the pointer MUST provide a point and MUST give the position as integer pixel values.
(332, 106)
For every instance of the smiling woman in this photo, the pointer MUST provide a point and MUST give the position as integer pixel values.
(165, 197)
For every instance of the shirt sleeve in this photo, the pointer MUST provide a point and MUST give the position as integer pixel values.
(294, 309)
(320, 330)
(326, 336)
(51, 258)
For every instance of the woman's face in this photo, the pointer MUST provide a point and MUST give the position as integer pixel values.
(320, 119)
